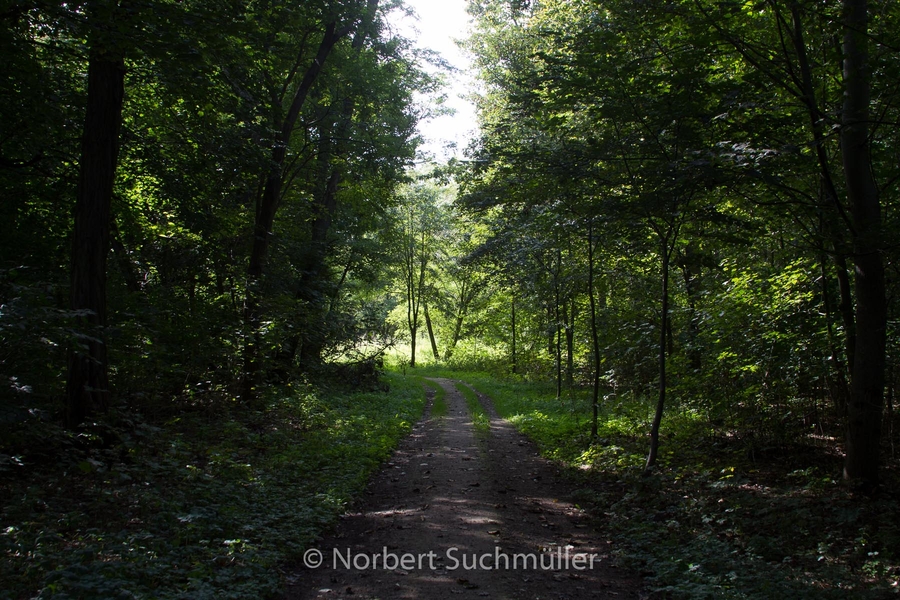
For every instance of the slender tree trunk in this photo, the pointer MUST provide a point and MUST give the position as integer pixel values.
(126, 268)
(434, 348)
(558, 353)
(457, 333)
(595, 335)
(570, 345)
(415, 282)
(845, 308)
(313, 278)
(660, 403)
(838, 389)
(513, 345)
(864, 410)
(551, 332)
(691, 279)
(828, 191)
(87, 386)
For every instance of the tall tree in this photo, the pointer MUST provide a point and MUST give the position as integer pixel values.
(334, 28)
(87, 389)
(865, 408)
(419, 221)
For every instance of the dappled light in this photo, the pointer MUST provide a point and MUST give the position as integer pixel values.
(275, 321)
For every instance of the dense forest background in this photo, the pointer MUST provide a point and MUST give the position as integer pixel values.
(707, 189)
(676, 207)
(224, 222)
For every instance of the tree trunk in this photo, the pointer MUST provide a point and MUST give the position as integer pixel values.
(434, 348)
(126, 268)
(514, 360)
(313, 279)
(846, 307)
(864, 411)
(837, 385)
(570, 345)
(691, 283)
(266, 208)
(558, 353)
(595, 335)
(87, 386)
(663, 326)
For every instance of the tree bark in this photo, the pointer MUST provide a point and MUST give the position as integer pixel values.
(845, 307)
(595, 335)
(838, 388)
(691, 273)
(457, 332)
(864, 411)
(663, 326)
(513, 357)
(87, 386)
(434, 347)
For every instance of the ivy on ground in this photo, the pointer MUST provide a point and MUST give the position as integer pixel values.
(203, 506)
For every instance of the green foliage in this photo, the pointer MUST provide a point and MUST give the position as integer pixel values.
(713, 521)
(209, 504)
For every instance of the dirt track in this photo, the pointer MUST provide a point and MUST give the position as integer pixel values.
(457, 514)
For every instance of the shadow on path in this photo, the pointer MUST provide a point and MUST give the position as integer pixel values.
(456, 514)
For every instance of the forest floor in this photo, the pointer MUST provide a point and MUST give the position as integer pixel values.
(464, 511)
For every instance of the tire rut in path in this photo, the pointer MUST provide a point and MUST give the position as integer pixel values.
(452, 499)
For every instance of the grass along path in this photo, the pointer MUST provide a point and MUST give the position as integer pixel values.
(715, 520)
(477, 515)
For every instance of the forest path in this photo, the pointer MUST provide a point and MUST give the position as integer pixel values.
(460, 513)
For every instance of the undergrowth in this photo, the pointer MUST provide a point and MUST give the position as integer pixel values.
(202, 506)
(714, 520)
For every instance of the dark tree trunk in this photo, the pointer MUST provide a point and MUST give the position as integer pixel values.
(558, 352)
(551, 333)
(837, 382)
(595, 335)
(313, 280)
(434, 347)
(87, 387)
(126, 268)
(830, 200)
(513, 357)
(570, 345)
(457, 333)
(663, 326)
(846, 307)
(691, 277)
(864, 411)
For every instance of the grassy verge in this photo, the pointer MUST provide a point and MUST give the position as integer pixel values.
(439, 405)
(204, 506)
(480, 420)
(715, 521)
